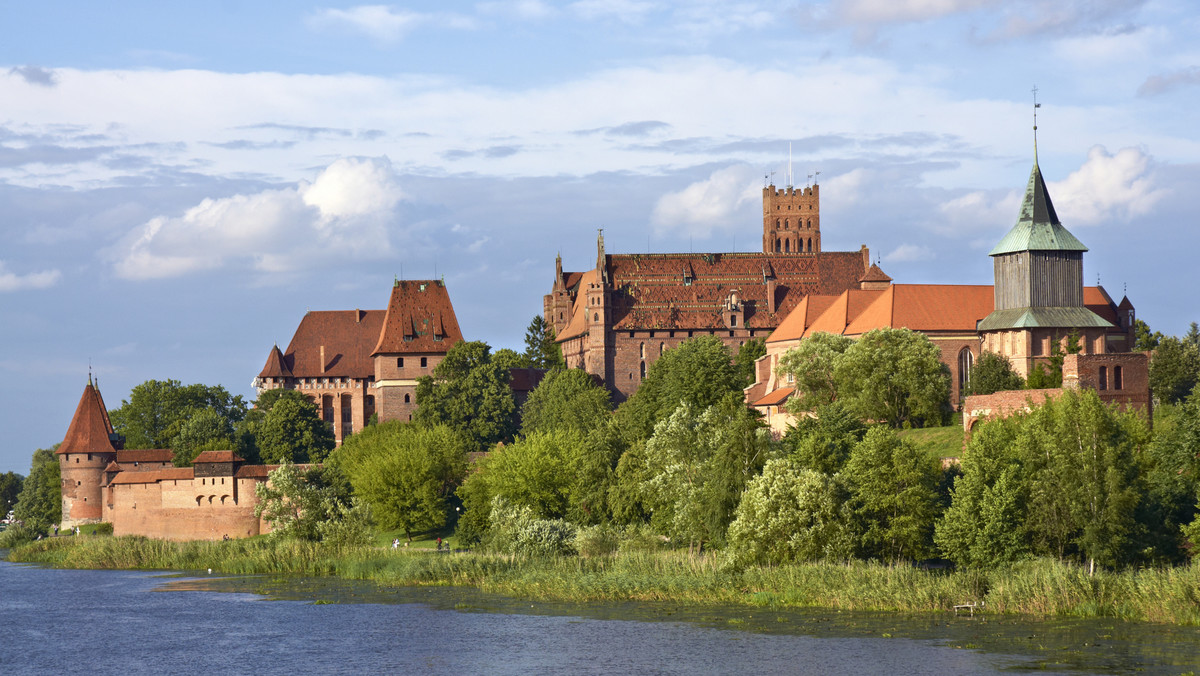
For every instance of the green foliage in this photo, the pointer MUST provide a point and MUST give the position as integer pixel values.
(566, 399)
(10, 488)
(893, 496)
(1174, 369)
(156, 411)
(468, 392)
(39, 504)
(506, 359)
(895, 376)
(205, 430)
(787, 514)
(810, 367)
(991, 373)
(310, 505)
(541, 349)
(1145, 340)
(1043, 377)
(747, 354)
(518, 530)
(595, 474)
(697, 372)
(1050, 374)
(822, 442)
(405, 473)
(1171, 469)
(292, 431)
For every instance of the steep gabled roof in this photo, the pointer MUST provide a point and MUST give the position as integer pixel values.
(348, 337)
(843, 310)
(926, 308)
(874, 274)
(276, 366)
(775, 398)
(90, 430)
(798, 320)
(420, 319)
(577, 326)
(1038, 227)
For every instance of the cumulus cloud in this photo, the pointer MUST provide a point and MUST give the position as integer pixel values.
(712, 204)
(1161, 84)
(35, 75)
(382, 22)
(343, 214)
(626, 11)
(909, 253)
(1107, 187)
(978, 210)
(11, 281)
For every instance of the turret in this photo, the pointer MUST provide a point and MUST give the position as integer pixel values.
(88, 448)
(791, 219)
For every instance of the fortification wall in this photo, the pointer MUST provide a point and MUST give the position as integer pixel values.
(183, 509)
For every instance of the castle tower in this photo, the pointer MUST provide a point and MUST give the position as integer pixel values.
(556, 305)
(597, 297)
(791, 220)
(90, 445)
(1039, 287)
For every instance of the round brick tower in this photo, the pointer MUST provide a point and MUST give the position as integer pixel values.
(90, 445)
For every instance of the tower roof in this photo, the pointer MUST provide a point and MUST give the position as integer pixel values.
(1038, 227)
(420, 318)
(90, 430)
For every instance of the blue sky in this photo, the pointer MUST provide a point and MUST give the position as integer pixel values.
(179, 184)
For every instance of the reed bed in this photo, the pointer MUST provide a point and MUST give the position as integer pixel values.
(1041, 588)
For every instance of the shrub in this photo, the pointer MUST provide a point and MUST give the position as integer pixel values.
(518, 530)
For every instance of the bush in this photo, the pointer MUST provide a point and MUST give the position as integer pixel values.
(518, 530)
(599, 540)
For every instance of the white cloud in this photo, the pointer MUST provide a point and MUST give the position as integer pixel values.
(712, 204)
(900, 11)
(11, 281)
(909, 253)
(384, 23)
(627, 11)
(1107, 187)
(521, 9)
(342, 215)
(977, 211)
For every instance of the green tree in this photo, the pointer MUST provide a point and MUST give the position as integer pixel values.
(790, 514)
(810, 367)
(292, 431)
(405, 473)
(747, 354)
(823, 442)
(893, 496)
(310, 505)
(1171, 469)
(10, 488)
(157, 409)
(206, 430)
(468, 392)
(39, 504)
(896, 376)
(566, 398)
(1050, 374)
(992, 372)
(1145, 340)
(541, 348)
(1174, 368)
(510, 359)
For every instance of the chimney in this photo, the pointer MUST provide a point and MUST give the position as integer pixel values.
(322, 359)
(771, 296)
(358, 315)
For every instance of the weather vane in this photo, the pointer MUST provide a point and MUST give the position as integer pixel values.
(1036, 105)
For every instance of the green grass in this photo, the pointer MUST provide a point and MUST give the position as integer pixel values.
(943, 442)
(1041, 588)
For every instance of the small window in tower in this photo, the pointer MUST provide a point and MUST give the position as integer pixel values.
(776, 223)
(733, 320)
(595, 316)
(406, 399)
(400, 362)
(787, 225)
(1103, 378)
(424, 362)
(643, 369)
(1117, 378)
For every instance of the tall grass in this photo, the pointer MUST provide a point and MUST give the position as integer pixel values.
(1041, 588)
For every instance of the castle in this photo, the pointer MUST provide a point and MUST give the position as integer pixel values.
(616, 319)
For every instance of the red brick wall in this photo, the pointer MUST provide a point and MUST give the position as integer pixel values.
(168, 510)
(80, 477)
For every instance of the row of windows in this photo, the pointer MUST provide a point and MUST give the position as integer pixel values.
(400, 362)
(671, 334)
(785, 246)
(1116, 378)
(778, 207)
(787, 224)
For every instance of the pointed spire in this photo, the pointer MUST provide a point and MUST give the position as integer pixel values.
(1038, 227)
(90, 430)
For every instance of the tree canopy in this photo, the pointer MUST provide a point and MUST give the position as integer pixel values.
(894, 375)
(468, 391)
(292, 431)
(541, 348)
(992, 372)
(566, 398)
(810, 368)
(1174, 369)
(156, 411)
(39, 504)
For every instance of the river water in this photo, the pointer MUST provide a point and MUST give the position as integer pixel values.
(135, 622)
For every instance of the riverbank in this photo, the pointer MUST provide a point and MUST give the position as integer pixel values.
(1037, 588)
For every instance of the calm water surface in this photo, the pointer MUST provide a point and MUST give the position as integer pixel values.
(132, 622)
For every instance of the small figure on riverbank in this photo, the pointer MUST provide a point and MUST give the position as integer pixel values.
(56, 530)
(396, 543)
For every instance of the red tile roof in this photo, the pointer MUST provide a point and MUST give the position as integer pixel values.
(276, 365)
(577, 326)
(218, 456)
(926, 308)
(842, 311)
(420, 319)
(799, 319)
(145, 455)
(774, 398)
(89, 429)
(874, 274)
(348, 337)
(1096, 299)
(153, 475)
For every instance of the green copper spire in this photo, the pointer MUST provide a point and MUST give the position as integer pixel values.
(1038, 227)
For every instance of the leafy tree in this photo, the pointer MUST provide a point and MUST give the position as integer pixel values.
(310, 505)
(39, 504)
(1050, 374)
(595, 475)
(292, 431)
(206, 430)
(157, 409)
(10, 488)
(468, 392)
(517, 529)
(790, 514)
(894, 375)
(1174, 368)
(893, 496)
(510, 359)
(810, 366)
(747, 354)
(1145, 340)
(541, 349)
(992, 372)
(566, 398)
(1192, 337)
(404, 472)
(698, 372)
(823, 442)
(1171, 469)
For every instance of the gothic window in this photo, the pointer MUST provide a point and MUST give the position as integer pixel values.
(1103, 378)
(423, 362)
(787, 246)
(595, 316)
(733, 320)
(407, 399)
(661, 347)
(810, 244)
(643, 369)
(1117, 378)
(777, 246)
(776, 223)
(808, 224)
(787, 224)
(966, 359)
(801, 246)
(642, 350)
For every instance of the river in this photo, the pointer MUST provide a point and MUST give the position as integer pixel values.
(136, 622)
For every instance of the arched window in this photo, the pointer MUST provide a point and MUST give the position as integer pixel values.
(787, 246)
(198, 499)
(777, 245)
(787, 224)
(643, 369)
(1103, 378)
(801, 246)
(661, 347)
(642, 350)
(966, 359)
(810, 244)
(595, 316)
(406, 399)
(1117, 378)
(776, 223)
(808, 224)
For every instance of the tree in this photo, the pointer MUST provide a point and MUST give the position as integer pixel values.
(1050, 374)
(468, 392)
(893, 496)
(310, 505)
(1174, 369)
(566, 398)
(894, 375)
(292, 431)
(747, 354)
(992, 372)
(541, 348)
(39, 504)
(10, 488)
(404, 472)
(789, 514)
(1145, 340)
(510, 359)
(206, 430)
(156, 410)
(1171, 470)
(810, 367)
(823, 442)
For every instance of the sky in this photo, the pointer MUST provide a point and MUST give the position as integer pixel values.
(181, 182)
